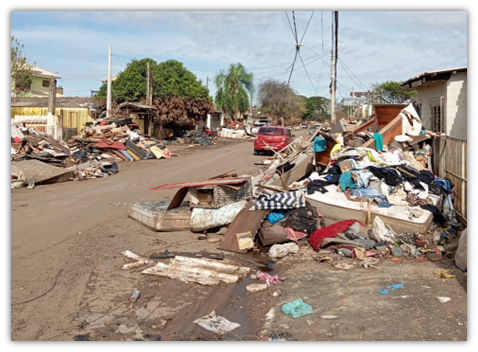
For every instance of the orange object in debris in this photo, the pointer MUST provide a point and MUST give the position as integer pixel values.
(396, 259)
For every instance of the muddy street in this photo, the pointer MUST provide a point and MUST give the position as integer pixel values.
(67, 281)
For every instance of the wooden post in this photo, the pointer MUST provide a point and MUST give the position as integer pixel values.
(108, 96)
(52, 96)
(148, 82)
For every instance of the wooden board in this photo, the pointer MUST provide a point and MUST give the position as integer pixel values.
(389, 132)
(136, 150)
(244, 221)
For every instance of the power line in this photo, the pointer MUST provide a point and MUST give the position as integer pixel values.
(343, 63)
(290, 25)
(300, 57)
(307, 26)
(292, 69)
(295, 27)
(322, 25)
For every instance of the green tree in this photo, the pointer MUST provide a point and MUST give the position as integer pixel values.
(177, 93)
(21, 75)
(233, 89)
(170, 78)
(315, 106)
(390, 92)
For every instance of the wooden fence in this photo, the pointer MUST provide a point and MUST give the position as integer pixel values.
(450, 161)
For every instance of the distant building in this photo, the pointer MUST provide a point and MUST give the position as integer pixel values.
(442, 99)
(40, 86)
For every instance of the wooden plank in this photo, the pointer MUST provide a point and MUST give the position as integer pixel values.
(137, 150)
(389, 132)
(244, 221)
(178, 198)
(119, 155)
(386, 113)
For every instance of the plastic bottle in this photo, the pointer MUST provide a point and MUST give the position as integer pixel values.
(134, 297)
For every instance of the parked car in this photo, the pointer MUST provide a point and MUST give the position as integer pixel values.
(272, 138)
(256, 126)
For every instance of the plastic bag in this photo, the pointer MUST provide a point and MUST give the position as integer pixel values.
(297, 308)
(281, 250)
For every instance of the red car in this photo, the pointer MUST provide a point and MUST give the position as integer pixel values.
(272, 138)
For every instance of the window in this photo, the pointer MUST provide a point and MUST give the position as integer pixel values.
(45, 83)
(270, 131)
(435, 115)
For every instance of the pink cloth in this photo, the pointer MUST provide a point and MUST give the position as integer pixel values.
(270, 279)
(294, 235)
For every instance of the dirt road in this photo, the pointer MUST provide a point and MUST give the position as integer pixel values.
(67, 282)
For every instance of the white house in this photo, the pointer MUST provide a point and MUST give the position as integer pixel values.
(442, 99)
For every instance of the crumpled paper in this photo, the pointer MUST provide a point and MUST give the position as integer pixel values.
(217, 324)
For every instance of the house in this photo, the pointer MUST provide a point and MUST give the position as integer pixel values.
(350, 105)
(140, 113)
(40, 86)
(74, 112)
(442, 99)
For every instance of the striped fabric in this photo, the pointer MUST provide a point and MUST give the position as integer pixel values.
(281, 201)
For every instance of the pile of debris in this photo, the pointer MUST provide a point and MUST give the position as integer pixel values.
(38, 158)
(376, 191)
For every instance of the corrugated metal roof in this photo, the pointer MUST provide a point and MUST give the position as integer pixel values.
(136, 105)
(424, 74)
(43, 102)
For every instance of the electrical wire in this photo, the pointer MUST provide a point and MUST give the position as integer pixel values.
(322, 25)
(295, 27)
(290, 25)
(344, 65)
(307, 26)
(292, 69)
(300, 57)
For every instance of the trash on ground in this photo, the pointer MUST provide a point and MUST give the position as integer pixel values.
(444, 299)
(270, 279)
(215, 323)
(257, 287)
(444, 273)
(202, 271)
(282, 250)
(297, 308)
(391, 287)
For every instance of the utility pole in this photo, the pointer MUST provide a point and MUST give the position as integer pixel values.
(334, 65)
(148, 82)
(207, 82)
(353, 100)
(150, 97)
(52, 96)
(108, 98)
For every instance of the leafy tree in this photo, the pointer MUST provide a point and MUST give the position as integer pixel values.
(233, 89)
(315, 106)
(177, 93)
(390, 92)
(280, 101)
(21, 75)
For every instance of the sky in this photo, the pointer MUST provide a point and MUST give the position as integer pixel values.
(373, 46)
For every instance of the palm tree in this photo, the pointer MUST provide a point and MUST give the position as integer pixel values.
(233, 89)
